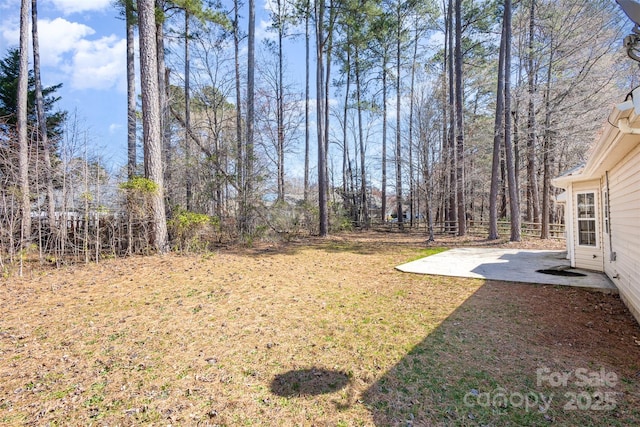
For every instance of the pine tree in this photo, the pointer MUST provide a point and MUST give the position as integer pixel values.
(151, 122)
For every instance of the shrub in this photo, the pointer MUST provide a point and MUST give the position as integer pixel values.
(138, 192)
(192, 231)
(139, 185)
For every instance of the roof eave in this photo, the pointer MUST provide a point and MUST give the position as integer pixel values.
(620, 135)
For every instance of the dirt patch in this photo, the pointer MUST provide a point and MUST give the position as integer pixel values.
(223, 339)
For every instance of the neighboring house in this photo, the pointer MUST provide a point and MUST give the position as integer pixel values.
(602, 215)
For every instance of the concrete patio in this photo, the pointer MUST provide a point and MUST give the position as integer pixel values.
(511, 265)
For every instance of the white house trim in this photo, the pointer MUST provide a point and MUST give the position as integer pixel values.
(613, 170)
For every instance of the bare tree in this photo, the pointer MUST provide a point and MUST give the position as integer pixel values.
(42, 119)
(460, 172)
(363, 171)
(450, 151)
(533, 194)
(321, 41)
(187, 109)
(239, 134)
(307, 74)
(498, 138)
(383, 183)
(280, 16)
(131, 90)
(398, 151)
(514, 199)
(245, 215)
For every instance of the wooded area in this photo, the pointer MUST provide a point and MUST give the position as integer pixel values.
(440, 114)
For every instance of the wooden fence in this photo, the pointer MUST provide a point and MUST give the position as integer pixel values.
(479, 228)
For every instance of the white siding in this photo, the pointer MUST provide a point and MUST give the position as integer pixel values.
(568, 220)
(588, 257)
(624, 199)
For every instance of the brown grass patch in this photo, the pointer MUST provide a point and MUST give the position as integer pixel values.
(320, 332)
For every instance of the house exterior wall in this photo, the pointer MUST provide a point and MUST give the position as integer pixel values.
(612, 172)
(568, 228)
(624, 206)
(585, 256)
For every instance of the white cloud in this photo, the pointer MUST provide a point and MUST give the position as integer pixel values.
(9, 24)
(99, 64)
(263, 31)
(72, 6)
(59, 37)
(10, 34)
(89, 64)
(71, 57)
(61, 29)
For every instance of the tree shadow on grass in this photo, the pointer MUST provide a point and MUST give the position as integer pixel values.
(308, 382)
(480, 365)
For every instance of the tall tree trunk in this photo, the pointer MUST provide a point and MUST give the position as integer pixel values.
(151, 123)
(546, 150)
(451, 211)
(502, 213)
(399, 200)
(159, 34)
(363, 175)
(346, 166)
(429, 193)
(246, 225)
(327, 94)
(323, 214)
(42, 120)
(411, 108)
(514, 199)
(384, 134)
(131, 91)
(460, 172)
(280, 104)
(532, 175)
(498, 134)
(219, 165)
(239, 140)
(85, 172)
(23, 141)
(441, 202)
(307, 92)
(187, 113)
(163, 84)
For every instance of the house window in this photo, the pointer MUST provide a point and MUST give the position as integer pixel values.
(587, 219)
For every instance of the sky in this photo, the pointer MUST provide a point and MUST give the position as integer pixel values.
(83, 46)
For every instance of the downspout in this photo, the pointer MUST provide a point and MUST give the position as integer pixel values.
(607, 204)
(569, 220)
(625, 127)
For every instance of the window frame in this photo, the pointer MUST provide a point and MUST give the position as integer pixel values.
(587, 219)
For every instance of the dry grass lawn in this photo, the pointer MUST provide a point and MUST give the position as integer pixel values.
(317, 333)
